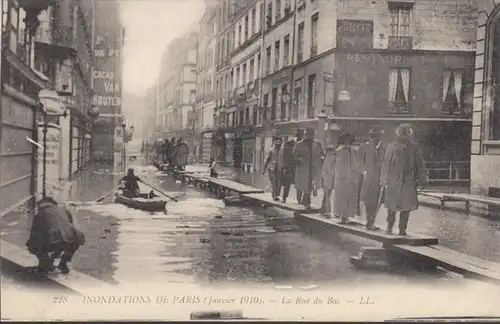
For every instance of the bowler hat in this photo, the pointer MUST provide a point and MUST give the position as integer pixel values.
(404, 131)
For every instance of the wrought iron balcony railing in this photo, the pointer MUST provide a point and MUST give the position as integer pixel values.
(400, 42)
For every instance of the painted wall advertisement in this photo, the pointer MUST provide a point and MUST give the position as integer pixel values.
(106, 76)
(52, 160)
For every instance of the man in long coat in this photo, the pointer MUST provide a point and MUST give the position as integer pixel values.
(308, 154)
(403, 170)
(181, 153)
(299, 135)
(327, 178)
(346, 179)
(53, 234)
(273, 167)
(371, 156)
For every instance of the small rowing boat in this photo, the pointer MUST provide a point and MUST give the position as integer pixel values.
(142, 203)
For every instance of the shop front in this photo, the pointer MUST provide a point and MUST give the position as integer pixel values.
(206, 149)
(432, 90)
(219, 140)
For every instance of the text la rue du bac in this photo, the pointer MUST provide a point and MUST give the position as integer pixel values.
(214, 300)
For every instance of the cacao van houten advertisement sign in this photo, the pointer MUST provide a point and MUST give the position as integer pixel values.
(106, 75)
(355, 34)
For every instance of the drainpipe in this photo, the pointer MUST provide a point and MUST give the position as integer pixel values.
(261, 75)
(292, 89)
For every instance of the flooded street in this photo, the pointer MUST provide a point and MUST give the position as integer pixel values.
(202, 241)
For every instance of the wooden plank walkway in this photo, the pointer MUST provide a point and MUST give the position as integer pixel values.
(266, 199)
(358, 228)
(75, 281)
(460, 197)
(455, 261)
(234, 186)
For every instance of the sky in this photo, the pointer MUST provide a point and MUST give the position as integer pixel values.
(149, 27)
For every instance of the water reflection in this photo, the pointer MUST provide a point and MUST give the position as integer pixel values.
(202, 241)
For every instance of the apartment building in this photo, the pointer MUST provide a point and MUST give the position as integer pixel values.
(413, 62)
(242, 104)
(63, 52)
(177, 89)
(46, 67)
(485, 145)
(225, 38)
(205, 96)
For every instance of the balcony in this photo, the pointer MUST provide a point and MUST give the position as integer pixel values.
(400, 42)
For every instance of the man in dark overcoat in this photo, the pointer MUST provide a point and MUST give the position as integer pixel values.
(371, 155)
(53, 235)
(403, 170)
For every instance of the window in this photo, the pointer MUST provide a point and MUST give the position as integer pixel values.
(246, 29)
(266, 104)
(254, 116)
(278, 10)
(240, 35)
(311, 96)
(269, 16)
(314, 35)
(233, 81)
(247, 116)
(237, 77)
(268, 60)
(14, 28)
(274, 103)
(286, 50)
(300, 44)
(287, 7)
(284, 90)
(298, 98)
(277, 56)
(399, 90)
(261, 16)
(252, 27)
(258, 66)
(251, 71)
(244, 73)
(452, 95)
(400, 21)
(241, 117)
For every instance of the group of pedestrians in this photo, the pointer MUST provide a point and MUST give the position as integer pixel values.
(173, 152)
(360, 178)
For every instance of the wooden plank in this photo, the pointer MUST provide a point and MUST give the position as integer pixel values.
(474, 198)
(235, 186)
(482, 263)
(358, 228)
(75, 281)
(266, 198)
(447, 261)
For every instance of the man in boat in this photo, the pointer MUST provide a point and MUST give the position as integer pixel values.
(130, 186)
(53, 235)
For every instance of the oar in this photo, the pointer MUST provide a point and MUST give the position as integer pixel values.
(147, 184)
(106, 195)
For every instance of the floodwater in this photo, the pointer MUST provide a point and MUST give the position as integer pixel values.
(202, 241)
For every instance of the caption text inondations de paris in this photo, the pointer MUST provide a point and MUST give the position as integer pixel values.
(212, 300)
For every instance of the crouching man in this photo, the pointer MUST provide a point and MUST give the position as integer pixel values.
(53, 235)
